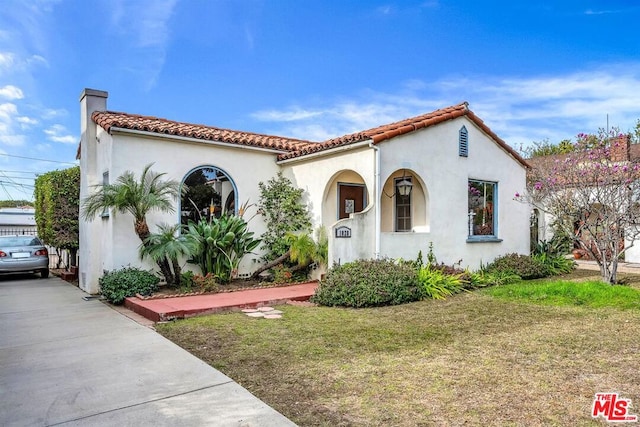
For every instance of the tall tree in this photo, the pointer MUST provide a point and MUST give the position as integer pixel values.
(593, 193)
(137, 197)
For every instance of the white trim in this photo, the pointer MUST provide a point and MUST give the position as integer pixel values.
(377, 191)
(196, 140)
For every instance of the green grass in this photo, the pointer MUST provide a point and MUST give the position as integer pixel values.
(474, 359)
(594, 294)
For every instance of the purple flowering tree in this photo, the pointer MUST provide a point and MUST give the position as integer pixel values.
(593, 193)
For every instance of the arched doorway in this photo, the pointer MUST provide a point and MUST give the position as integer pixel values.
(208, 191)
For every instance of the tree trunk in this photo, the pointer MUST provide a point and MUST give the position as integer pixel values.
(282, 258)
(177, 273)
(165, 269)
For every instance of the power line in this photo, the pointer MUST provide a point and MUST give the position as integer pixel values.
(17, 177)
(15, 184)
(40, 160)
(20, 171)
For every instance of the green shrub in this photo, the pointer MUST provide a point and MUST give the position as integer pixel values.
(522, 265)
(437, 283)
(117, 285)
(186, 281)
(366, 283)
(555, 264)
(483, 278)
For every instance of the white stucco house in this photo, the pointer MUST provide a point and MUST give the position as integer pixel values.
(460, 178)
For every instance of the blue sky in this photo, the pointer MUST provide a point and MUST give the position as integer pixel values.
(310, 69)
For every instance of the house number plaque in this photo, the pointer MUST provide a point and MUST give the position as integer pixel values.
(343, 232)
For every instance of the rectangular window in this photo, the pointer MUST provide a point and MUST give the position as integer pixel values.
(403, 208)
(482, 212)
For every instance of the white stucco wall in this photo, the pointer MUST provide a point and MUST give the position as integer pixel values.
(114, 244)
(91, 234)
(439, 204)
(319, 176)
(433, 155)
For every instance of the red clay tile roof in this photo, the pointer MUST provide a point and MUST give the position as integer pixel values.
(112, 119)
(291, 147)
(385, 132)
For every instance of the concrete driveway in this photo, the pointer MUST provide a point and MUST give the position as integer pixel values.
(65, 361)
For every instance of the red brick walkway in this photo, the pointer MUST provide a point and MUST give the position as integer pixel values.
(180, 307)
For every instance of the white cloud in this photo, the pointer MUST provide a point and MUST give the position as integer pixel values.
(52, 113)
(13, 140)
(59, 133)
(147, 38)
(26, 122)
(11, 92)
(6, 59)
(520, 110)
(285, 116)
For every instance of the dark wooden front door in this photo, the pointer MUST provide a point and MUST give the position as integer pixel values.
(351, 199)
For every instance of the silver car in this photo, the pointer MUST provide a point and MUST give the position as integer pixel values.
(22, 254)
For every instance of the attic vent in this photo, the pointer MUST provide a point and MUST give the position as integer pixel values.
(463, 142)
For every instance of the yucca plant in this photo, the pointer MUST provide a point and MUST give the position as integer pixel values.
(437, 284)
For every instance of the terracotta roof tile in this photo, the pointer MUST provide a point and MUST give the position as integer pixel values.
(112, 119)
(385, 132)
(291, 147)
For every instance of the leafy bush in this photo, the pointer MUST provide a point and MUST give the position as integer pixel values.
(555, 264)
(186, 281)
(366, 283)
(206, 283)
(523, 265)
(127, 282)
(192, 282)
(437, 283)
(284, 211)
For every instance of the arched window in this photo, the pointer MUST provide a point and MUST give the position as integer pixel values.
(209, 192)
(463, 142)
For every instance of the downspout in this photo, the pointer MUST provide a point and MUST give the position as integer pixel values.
(378, 195)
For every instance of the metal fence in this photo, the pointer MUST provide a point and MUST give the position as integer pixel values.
(18, 231)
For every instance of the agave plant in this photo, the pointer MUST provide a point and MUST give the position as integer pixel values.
(220, 245)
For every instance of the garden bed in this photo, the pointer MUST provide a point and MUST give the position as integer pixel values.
(233, 286)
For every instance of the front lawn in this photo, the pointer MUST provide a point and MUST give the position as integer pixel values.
(473, 359)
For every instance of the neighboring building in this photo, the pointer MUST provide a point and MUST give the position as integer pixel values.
(622, 152)
(460, 178)
(20, 220)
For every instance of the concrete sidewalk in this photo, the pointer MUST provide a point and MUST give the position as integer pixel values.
(623, 267)
(67, 361)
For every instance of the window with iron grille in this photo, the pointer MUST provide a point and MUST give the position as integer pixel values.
(403, 208)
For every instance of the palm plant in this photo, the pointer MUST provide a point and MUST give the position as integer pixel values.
(137, 197)
(303, 251)
(168, 245)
